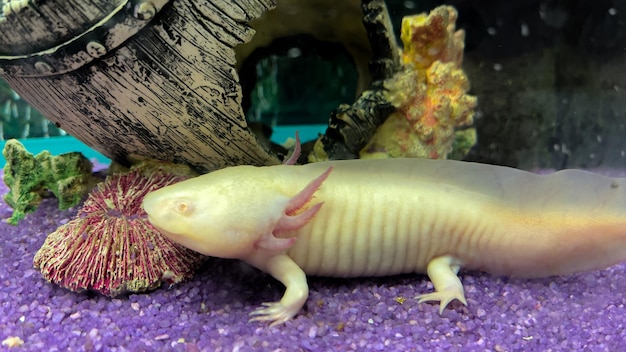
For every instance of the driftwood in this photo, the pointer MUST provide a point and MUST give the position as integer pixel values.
(151, 80)
(351, 126)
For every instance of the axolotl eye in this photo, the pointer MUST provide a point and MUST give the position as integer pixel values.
(183, 207)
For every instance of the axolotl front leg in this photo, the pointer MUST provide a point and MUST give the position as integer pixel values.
(285, 270)
(270, 257)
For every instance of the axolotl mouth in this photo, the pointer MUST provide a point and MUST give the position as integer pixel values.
(159, 213)
(155, 214)
(181, 239)
(165, 221)
(151, 209)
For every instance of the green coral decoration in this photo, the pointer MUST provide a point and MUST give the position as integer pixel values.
(31, 178)
(464, 140)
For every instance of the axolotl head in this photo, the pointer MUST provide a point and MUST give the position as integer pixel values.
(221, 214)
(235, 212)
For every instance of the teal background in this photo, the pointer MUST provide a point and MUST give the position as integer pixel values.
(66, 144)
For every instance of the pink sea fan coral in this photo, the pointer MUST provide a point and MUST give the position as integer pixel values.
(110, 247)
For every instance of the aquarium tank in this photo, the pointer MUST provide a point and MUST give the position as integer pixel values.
(311, 175)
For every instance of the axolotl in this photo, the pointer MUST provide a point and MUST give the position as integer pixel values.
(356, 218)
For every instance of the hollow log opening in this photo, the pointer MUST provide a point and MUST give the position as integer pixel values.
(296, 81)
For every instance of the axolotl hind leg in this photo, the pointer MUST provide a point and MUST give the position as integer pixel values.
(442, 271)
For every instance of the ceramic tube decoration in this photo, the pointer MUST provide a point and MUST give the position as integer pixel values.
(136, 79)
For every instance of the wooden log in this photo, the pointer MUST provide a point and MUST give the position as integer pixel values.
(350, 127)
(152, 79)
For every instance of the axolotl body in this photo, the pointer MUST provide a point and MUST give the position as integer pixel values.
(356, 218)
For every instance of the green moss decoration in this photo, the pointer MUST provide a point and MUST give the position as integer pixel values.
(464, 140)
(31, 178)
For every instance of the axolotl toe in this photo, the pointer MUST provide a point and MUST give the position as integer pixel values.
(357, 218)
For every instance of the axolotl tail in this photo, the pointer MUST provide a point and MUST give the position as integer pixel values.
(566, 222)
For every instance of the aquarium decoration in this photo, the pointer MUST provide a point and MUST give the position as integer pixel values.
(429, 93)
(133, 99)
(417, 104)
(350, 127)
(31, 178)
(115, 80)
(110, 247)
(110, 73)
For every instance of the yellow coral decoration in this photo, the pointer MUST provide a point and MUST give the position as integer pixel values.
(430, 93)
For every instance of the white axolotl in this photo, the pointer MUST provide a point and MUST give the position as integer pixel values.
(357, 218)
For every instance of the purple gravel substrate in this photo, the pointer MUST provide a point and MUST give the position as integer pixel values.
(209, 313)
